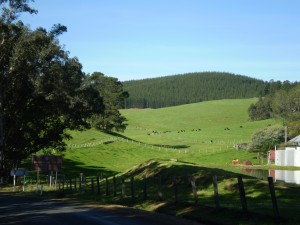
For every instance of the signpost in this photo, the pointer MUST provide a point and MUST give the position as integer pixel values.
(18, 173)
(46, 163)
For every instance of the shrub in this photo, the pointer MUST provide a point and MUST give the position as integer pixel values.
(265, 139)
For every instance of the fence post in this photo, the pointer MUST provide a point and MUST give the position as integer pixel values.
(273, 196)
(145, 189)
(75, 185)
(175, 189)
(242, 194)
(24, 183)
(92, 185)
(63, 184)
(71, 189)
(194, 187)
(132, 187)
(98, 184)
(106, 186)
(80, 182)
(159, 189)
(85, 184)
(123, 187)
(114, 186)
(67, 182)
(216, 192)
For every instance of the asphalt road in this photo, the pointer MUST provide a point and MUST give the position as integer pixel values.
(15, 210)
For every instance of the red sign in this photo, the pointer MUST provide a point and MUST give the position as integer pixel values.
(46, 162)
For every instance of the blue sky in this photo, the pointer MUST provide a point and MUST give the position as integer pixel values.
(136, 39)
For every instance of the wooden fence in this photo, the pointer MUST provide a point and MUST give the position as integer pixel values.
(145, 189)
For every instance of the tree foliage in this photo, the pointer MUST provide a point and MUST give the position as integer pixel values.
(190, 88)
(281, 100)
(41, 88)
(293, 128)
(261, 110)
(111, 90)
(265, 139)
(284, 103)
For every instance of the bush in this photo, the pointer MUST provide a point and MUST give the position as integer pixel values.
(265, 139)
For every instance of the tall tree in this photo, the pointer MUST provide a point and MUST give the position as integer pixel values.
(281, 102)
(41, 92)
(111, 90)
(9, 33)
(286, 103)
(261, 110)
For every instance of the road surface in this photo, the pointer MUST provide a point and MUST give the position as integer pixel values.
(15, 210)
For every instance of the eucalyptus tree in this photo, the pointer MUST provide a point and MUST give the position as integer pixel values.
(286, 103)
(111, 90)
(10, 31)
(41, 88)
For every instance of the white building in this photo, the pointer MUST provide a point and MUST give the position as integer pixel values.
(288, 157)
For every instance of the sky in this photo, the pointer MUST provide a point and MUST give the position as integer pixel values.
(138, 39)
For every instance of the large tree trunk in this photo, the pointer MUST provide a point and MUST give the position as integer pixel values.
(1, 130)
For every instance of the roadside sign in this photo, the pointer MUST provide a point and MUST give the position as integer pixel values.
(19, 172)
(46, 162)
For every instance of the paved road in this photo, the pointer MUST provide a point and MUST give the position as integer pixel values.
(15, 210)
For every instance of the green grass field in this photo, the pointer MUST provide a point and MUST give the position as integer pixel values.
(195, 139)
(202, 133)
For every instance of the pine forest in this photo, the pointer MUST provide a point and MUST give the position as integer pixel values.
(190, 88)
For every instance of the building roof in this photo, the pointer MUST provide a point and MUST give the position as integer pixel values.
(295, 139)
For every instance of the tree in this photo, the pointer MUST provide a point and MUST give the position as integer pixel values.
(286, 104)
(9, 32)
(283, 104)
(261, 110)
(111, 90)
(293, 128)
(265, 139)
(190, 88)
(41, 89)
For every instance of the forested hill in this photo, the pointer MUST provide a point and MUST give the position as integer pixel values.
(190, 88)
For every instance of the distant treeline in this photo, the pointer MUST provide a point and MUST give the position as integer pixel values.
(281, 100)
(190, 88)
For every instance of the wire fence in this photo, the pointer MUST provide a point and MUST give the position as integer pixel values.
(188, 189)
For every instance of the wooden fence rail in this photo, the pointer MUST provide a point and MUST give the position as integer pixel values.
(146, 189)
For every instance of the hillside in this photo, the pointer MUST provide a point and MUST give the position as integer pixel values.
(201, 133)
(190, 88)
(194, 139)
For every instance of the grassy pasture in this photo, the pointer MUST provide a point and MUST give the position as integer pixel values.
(199, 130)
(200, 137)
(202, 133)
(195, 139)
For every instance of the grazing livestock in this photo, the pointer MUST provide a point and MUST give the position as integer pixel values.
(247, 163)
(235, 162)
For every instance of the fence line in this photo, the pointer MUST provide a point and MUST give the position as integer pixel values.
(208, 150)
(169, 188)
